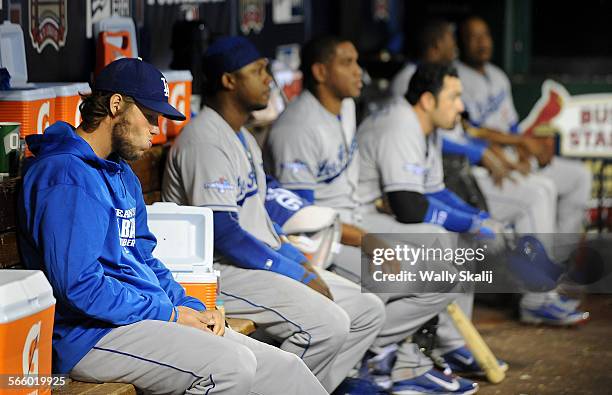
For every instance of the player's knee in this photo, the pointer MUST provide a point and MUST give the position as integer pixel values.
(292, 362)
(234, 370)
(374, 311)
(333, 330)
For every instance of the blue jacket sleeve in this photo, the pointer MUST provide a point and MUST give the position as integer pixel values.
(472, 151)
(146, 243)
(450, 218)
(449, 198)
(71, 241)
(248, 252)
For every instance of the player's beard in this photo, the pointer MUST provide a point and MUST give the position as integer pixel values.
(121, 142)
(257, 107)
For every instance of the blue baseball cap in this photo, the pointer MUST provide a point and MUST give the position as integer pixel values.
(228, 54)
(142, 81)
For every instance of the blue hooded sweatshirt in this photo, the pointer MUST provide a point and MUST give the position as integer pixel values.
(83, 222)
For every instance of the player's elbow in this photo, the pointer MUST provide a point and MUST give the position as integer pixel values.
(409, 207)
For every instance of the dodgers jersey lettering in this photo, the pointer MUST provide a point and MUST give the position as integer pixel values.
(314, 149)
(488, 97)
(228, 176)
(396, 155)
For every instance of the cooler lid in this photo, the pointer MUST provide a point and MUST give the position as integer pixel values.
(177, 75)
(23, 293)
(12, 53)
(29, 94)
(184, 236)
(116, 24)
(65, 89)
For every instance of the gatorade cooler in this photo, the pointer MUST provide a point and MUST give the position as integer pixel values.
(32, 106)
(27, 306)
(112, 46)
(67, 100)
(179, 84)
(116, 37)
(34, 109)
(185, 245)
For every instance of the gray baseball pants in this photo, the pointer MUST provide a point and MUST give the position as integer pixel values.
(168, 358)
(330, 337)
(406, 313)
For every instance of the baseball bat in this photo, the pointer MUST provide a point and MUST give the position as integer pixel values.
(482, 353)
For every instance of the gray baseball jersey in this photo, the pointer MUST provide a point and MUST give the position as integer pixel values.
(488, 97)
(209, 166)
(314, 149)
(396, 155)
(399, 83)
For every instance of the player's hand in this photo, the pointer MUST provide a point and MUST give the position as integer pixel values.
(314, 281)
(496, 167)
(547, 152)
(372, 243)
(532, 145)
(214, 320)
(523, 167)
(490, 233)
(352, 235)
(208, 320)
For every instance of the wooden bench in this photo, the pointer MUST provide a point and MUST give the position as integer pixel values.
(149, 170)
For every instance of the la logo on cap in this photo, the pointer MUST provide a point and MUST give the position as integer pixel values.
(166, 89)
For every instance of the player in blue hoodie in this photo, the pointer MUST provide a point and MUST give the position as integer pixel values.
(120, 316)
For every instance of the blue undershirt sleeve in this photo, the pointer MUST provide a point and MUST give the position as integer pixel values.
(450, 218)
(248, 252)
(472, 151)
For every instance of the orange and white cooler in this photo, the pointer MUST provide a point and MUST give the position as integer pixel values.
(33, 108)
(67, 100)
(180, 85)
(185, 246)
(27, 307)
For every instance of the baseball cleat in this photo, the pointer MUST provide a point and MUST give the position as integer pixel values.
(434, 382)
(358, 386)
(377, 366)
(566, 303)
(553, 314)
(461, 361)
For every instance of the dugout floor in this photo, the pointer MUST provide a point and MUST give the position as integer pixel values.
(547, 360)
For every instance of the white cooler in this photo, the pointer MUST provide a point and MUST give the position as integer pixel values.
(185, 245)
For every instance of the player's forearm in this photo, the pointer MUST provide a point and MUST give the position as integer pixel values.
(248, 252)
(495, 136)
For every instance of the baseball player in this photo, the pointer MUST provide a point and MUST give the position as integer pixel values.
(488, 100)
(526, 201)
(215, 162)
(318, 160)
(120, 316)
(401, 159)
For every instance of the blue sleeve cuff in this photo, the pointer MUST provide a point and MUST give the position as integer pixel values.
(472, 151)
(291, 252)
(450, 218)
(249, 252)
(306, 194)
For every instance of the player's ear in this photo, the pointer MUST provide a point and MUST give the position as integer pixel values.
(228, 81)
(319, 72)
(427, 101)
(114, 103)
